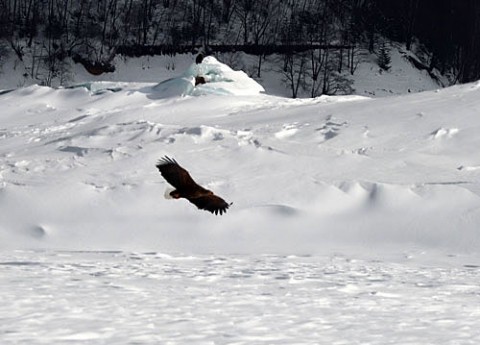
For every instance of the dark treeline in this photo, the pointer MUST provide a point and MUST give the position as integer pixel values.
(93, 31)
(449, 29)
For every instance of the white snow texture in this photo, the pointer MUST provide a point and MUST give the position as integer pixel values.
(354, 220)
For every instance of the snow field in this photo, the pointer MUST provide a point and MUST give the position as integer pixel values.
(340, 168)
(151, 298)
(354, 220)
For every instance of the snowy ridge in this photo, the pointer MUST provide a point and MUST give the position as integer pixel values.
(77, 170)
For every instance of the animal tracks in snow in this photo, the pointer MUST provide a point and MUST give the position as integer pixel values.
(331, 128)
(323, 132)
(319, 133)
(287, 131)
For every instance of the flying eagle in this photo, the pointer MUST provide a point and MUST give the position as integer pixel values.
(186, 187)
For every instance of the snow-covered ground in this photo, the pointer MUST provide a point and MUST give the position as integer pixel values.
(368, 78)
(151, 298)
(354, 220)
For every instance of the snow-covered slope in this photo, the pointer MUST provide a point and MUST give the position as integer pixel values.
(368, 79)
(402, 78)
(77, 170)
(354, 220)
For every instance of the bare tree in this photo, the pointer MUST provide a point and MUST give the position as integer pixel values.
(244, 10)
(295, 72)
(265, 23)
(228, 9)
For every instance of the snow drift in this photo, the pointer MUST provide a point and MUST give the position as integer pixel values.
(220, 80)
(77, 168)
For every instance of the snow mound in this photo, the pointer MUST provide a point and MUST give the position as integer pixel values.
(220, 80)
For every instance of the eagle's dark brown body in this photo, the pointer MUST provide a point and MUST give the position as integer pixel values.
(186, 187)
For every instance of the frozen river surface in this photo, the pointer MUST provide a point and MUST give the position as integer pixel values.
(150, 298)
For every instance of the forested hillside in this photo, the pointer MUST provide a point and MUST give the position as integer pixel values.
(321, 39)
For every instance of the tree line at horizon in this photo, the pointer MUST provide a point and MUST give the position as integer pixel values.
(331, 33)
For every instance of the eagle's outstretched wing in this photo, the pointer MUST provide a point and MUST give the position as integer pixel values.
(177, 176)
(211, 203)
(187, 188)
